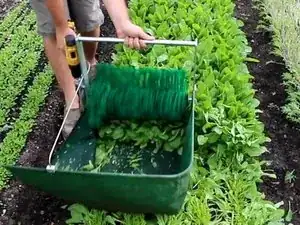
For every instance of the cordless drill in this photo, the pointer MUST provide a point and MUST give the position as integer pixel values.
(71, 52)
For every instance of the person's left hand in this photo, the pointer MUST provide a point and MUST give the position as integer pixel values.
(134, 35)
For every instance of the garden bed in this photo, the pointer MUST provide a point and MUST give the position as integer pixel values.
(284, 147)
(20, 203)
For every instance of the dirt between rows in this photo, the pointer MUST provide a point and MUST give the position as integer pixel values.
(285, 145)
(20, 203)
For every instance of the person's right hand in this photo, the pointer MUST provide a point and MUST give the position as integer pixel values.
(61, 33)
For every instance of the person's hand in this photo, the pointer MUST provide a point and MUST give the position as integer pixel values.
(61, 33)
(133, 35)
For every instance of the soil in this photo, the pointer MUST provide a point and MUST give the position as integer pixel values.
(21, 203)
(285, 145)
(6, 6)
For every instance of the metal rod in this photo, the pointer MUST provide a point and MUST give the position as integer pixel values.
(119, 40)
(83, 63)
(65, 118)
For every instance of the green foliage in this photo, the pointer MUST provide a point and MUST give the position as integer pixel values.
(15, 140)
(11, 21)
(81, 215)
(281, 17)
(229, 136)
(11, 16)
(163, 137)
(19, 54)
(130, 132)
(18, 59)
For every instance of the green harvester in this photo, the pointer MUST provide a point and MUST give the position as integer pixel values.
(122, 93)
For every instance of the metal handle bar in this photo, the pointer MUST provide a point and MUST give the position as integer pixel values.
(156, 42)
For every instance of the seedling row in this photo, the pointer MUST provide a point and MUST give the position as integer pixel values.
(11, 21)
(282, 19)
(20, 55)
(19, 59)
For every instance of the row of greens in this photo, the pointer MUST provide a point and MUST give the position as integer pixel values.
(282, 19)
(20, 50)
(11, 21)
(19, 57)
(230, 138)
(16, 138)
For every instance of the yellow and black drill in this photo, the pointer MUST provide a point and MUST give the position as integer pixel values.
(71, 52)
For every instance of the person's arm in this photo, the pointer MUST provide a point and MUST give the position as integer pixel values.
(118, 12)
(133, 35)
(57, 11)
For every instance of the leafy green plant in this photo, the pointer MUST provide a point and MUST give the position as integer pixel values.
(230, 138)
(19, 59)
(81, 215)
(290, 176)
(15, 140)
(11, 21)
(168, 137)
(281, 18)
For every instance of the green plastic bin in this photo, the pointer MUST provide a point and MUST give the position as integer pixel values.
(162, 189)
(159, 187)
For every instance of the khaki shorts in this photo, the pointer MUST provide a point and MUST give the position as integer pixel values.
(87, 15)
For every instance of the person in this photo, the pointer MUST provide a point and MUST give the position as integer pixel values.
(52, 22)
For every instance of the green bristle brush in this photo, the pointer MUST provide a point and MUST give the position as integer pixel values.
(127, 93)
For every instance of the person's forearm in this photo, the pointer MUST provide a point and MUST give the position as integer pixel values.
(57, 11)
(118, 11)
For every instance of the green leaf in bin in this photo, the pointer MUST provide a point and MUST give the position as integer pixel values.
(168, 147)
(118, 133)
(202, 139)
(176, 143)
(213, 137)
(89, 166)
